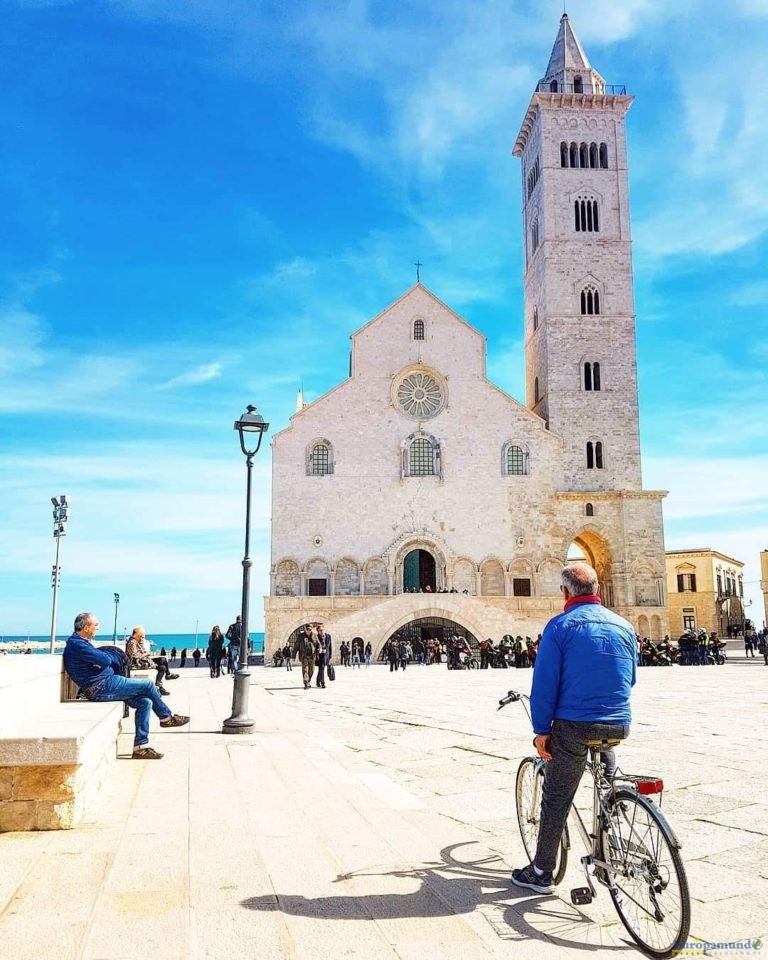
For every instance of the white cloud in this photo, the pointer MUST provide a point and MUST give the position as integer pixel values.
(202, 374)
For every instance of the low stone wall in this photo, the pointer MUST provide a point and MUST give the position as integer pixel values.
(54, 756)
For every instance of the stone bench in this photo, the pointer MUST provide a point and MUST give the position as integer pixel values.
(54, 755)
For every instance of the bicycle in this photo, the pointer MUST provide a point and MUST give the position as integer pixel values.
(631, 847)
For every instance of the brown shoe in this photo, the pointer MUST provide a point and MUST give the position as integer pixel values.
(146, 753)
(177, 720)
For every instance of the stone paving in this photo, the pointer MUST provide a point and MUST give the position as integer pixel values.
(375, 819)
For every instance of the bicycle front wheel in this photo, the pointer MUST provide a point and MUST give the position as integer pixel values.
(529, 789)
(649, 887)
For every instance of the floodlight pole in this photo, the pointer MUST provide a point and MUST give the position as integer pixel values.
(60, 517)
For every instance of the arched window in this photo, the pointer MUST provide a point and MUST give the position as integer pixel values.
(515, 462)
(583, 155)
(418, 329)
(593, 159)
(320, 460)
(586, 215)
(604, 156)
(592, 375)
(535, 235)
(563, 154)
(594, 455)
(589, 510)
(590, 301)
(536, 390)
(573, 154)
(578, 85)
(421, 456)
(535, 318)
(553, 86)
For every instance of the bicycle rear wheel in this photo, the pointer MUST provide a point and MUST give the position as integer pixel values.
(529, 788)
(650, 888)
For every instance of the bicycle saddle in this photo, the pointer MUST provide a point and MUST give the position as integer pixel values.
(601, 743)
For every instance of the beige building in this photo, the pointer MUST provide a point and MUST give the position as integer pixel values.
(416, 495)
(705, 590)
(764, 583)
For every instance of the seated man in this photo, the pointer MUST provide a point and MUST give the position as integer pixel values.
(93, 671)
(139, 657)
(584, 673)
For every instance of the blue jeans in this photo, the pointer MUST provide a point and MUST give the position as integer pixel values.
(142, 695)
(235, 653)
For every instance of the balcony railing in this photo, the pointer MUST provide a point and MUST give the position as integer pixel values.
(606, 89)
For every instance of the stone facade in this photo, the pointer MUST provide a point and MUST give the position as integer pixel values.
(417, 466)
(705, 590)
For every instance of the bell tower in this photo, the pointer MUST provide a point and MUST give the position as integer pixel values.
(581, 374)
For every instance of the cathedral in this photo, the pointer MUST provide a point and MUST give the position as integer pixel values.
(417, 498)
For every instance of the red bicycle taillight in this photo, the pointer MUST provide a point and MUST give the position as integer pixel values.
(647, 787)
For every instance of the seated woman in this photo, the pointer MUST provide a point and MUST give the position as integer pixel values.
(137, 651)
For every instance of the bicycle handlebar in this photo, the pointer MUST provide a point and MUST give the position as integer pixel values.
(512, 697)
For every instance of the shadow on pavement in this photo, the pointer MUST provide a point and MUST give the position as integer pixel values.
(449, 887)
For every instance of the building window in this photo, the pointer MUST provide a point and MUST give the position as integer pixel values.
(553, 86)
(319, 458)
(586, 215)
(719, 585)
(686, 583)
(535, 318)
(583, 155)
(594, 455)
(689, 618)
(578, 85)
(741, 587)
(604, 156)
(536, 390)
(418, 329)
(515, 460)
(563, 154)
(590, 301)
(592, 376)
(533, 176)
(521, 587)
(573, 155)
(589, 510)
(535, 235)
(421, 459)
(593, 159)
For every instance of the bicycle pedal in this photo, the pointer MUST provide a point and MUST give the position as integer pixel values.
(581, 896)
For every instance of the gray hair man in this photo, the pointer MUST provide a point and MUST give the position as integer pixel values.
(97, 672)
(585, 670)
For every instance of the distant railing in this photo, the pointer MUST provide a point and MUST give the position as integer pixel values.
(606, 89)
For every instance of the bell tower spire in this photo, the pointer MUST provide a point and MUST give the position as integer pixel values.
(569, 69)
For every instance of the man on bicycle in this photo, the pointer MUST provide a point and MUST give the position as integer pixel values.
(584, 674)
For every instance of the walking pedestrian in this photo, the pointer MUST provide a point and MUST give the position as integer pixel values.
(357, 650)
(233, 635)
(196, 657)
(183, 657)
(324, 654)
(287, 656)
(215, 652)
(368, 654)
(305, 648)
(393, 655)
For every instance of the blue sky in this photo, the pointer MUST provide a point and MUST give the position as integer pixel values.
(202, 199)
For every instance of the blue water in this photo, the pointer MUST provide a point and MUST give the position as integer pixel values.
(158, 640)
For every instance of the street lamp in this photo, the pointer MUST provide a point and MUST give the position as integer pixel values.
(250, 422)
(117, 604)
(60, 517)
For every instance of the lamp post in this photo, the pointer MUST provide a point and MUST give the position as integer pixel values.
(117, 604)
(250, 422)
(60, 517)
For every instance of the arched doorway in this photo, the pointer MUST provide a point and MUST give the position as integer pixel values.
(419, 572)
(418, 632)
(588, 546)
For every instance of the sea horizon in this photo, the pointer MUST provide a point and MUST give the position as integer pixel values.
(168, 640)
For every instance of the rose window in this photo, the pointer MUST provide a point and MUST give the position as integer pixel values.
(420, 396)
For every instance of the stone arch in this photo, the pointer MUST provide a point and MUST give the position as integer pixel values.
(287, 579)
(465, 576)
(375, 577)
(643, 627)
(428, 609)
(519, 570)
(492, 578)
(597, 553)
(647, 581)
(549, 571)
(315, 570)
(346, 577)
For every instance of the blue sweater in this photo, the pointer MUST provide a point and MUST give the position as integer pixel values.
(585, 668)
(85, 663)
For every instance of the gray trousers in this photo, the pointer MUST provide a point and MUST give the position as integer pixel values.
(562, 776)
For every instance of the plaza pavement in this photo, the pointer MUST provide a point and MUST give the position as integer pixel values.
(375, 819)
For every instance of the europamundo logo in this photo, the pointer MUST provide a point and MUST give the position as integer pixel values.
(730, 949)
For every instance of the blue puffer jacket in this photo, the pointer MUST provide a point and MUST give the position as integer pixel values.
(585, 668)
